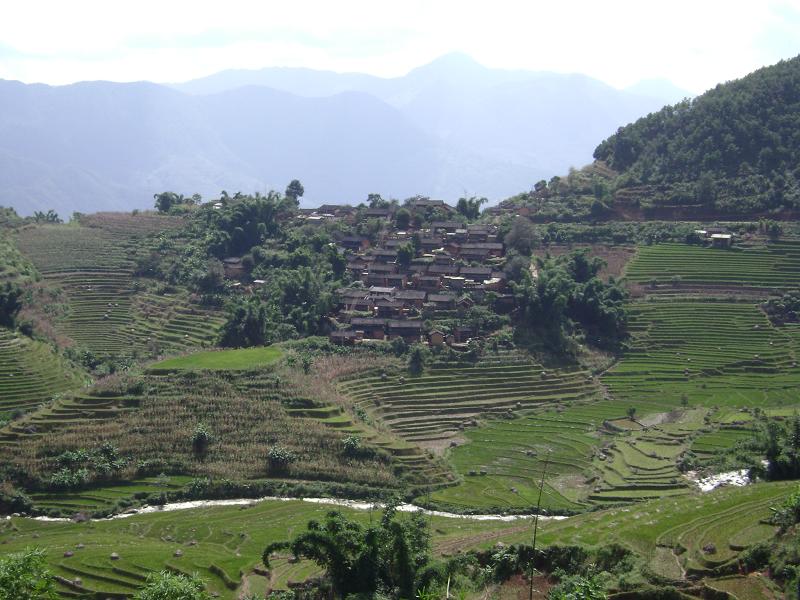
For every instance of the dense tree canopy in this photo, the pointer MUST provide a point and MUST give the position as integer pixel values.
(739, 142)
(393, 554)
(567, 296)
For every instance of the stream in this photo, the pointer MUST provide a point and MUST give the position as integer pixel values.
(353, 504)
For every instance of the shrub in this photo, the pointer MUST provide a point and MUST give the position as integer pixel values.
(13, 500)
(171, 586)
(24, 576)
(201, 439)
(279, 459)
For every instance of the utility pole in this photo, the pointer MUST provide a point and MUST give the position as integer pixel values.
(536, 527)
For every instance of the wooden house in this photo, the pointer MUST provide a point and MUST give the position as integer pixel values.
(411, 298)
(410, 331)
(370, 328)
(429, 283)
(442, 301)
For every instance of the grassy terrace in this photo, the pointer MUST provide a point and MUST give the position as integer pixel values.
(730, 519)
(712, 353)
(223, 545)
(247, 411)
(108, 310)
(774, 266)
(223, 360)
(707, 354)
(30, 373)
(440, 403)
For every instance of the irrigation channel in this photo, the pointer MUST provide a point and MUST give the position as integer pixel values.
(733, 478)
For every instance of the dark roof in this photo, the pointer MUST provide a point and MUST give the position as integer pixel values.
(447, 225)
(476, 270)
(353, 239)
(377, 212)
(411, 295)
(388, 302)
(443, 269)
(353, 293)
(482, 246)
(405, 324)
(441, 298)
(429, 278)
(383, 252)
(361, 321)
(381, 268)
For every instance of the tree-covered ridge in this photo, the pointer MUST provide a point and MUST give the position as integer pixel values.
(740, 139)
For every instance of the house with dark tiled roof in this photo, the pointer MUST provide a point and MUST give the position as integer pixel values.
(410, 331)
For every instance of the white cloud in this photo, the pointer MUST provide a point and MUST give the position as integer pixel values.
(693, 43)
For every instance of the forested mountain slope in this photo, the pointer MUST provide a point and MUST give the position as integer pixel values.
(739, 144)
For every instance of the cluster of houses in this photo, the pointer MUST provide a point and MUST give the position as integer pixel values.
(454, 265)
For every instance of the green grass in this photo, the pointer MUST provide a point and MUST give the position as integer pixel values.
(707, 353)
(222, 545)
(31, 373)
(725, 518)
(771, 266)
(91, 295)
(221, 360)
(435, 406)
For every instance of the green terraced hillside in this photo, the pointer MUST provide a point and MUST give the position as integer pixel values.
(222, 360)
(436, 406)
(222, 545)
(108, 310)
(248, 413)
(775, 265)
(671, 533)
(31, 373)
(713, 353)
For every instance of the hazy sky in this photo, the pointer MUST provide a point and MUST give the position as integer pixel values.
(693, 43)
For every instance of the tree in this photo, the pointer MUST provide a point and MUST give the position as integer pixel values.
(405, 254)
(392, 554)
(631, 412)
(522, 236)
(416, 359)
(172, 586)
(166, 200)
(10, 303)
(25, 576)
(294, 190)
(470, 207)
(402, 218)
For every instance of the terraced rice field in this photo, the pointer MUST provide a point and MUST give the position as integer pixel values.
(222, 545)
(773, 266)
(223, 360)
(448, 396)
(247, 411)
(710, 353)
(729, 519)
(31, 373)
(109, 311)
(597, 455)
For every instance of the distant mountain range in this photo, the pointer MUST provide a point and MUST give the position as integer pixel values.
(449, 128)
